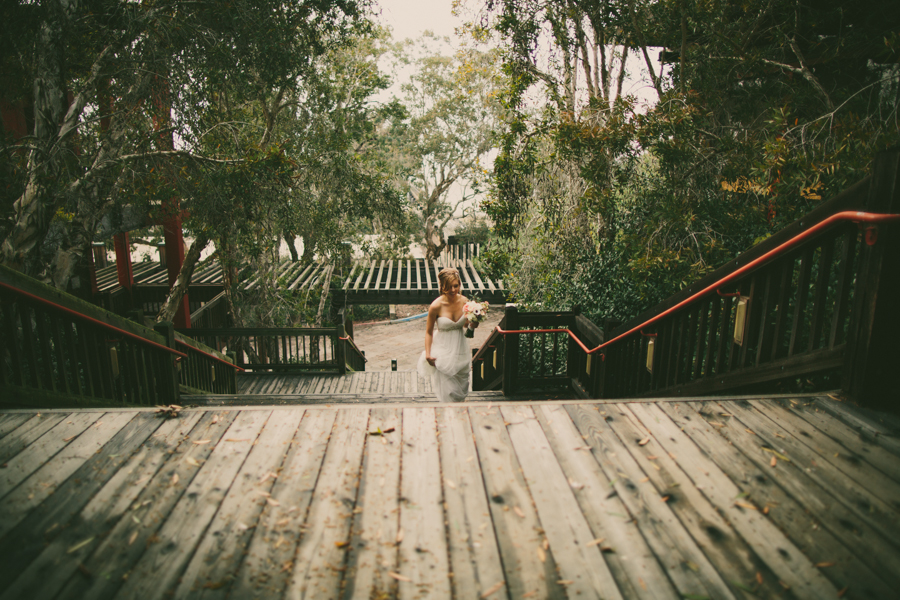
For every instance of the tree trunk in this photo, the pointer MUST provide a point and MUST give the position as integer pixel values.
(168, 310)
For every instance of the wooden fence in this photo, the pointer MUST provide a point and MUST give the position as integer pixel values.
(816, 297)
(299, 349)
(58, 350)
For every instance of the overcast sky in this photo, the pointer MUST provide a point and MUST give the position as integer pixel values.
(409, 18)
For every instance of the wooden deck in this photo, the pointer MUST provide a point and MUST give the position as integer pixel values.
(708, 499)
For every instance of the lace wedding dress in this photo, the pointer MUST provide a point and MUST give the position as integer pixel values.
(450, 374)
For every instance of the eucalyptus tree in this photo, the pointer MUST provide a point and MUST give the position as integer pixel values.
(760, 110)
(124, 99)
(452, 111)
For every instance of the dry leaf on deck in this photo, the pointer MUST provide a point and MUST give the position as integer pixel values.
(450, 483)
(398, 576)
(200, 442)
(518, 511)
(541, 556)
(773, 462)
(596, 542)
(493, 589)
(644, 441)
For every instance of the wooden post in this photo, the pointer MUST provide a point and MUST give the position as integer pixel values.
(872, 354)
(511, 354)
(604, 387)
(339, 355)
(168, 374)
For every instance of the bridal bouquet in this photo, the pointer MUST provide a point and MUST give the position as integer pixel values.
(475, 312)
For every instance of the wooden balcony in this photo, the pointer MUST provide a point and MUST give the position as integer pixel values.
(713, 498)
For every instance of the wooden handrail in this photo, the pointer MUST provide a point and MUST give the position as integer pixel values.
(844, 216)
(208, 355)
(355, 347)
(84, 317)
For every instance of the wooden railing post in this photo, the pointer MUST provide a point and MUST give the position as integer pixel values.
(168, 371)
(339, 353)
(511, 352)
(872, 353)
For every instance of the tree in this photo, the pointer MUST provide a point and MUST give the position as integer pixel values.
(763, 109)
(452, 115)
(113, 84)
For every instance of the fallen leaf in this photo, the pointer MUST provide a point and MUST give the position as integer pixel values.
(518, 511)
(80, 545)
(262, 493)
(745, 505)
(341, 544)
(778, 454)
(132, 538)
(583, 448)
(665, 498)
(750, 432)
(759, 578)
(644, 441)
(765, 510)
(565, 582)
(575, 485)
(398, 576)
(596, 542)
(546, 544)
(450, 483)
(215, 419)
(233, 440)
(643, 585)
(201, 442)
(773, 462)
(273, 502)
(175, 479)
(192, 461)
(69, 439)
(541, 556)
(399, 536)
(493, 589)
(825, 564)
(652, 458)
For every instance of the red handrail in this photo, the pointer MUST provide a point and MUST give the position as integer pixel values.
(352, 343)
(847, 215)
(207, 354)
(84, 317)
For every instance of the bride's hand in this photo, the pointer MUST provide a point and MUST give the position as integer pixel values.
(431, 360)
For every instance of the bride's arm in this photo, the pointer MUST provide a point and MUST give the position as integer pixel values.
(433, 311)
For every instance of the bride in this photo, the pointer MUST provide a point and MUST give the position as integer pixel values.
(447, 356)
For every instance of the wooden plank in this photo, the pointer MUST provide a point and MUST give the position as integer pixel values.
(689, 569)
(822, 528)
(157, 572)
(423, 547)
(372, 553)
(320, 556)
(389, 279)
(43, 481)
(362, 274)
(869, 425)
(110, 558)
(353, 268)
(528, 569)
(427, 273)
(408, 274)
(833, 474)
(635, 568)
(377, 283)
(58, 562)
(280, 525)
(776, 550)
(219, 555)
(856, 447)
(476, 275)
(469, 286)
(36, 455)
(857, 462)
(45, 522)
(474, 554)
(11, 421)
(581, 566)
(32, 429)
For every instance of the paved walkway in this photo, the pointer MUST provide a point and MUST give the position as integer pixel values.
(406, 341)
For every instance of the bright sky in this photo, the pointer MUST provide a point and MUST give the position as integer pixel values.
(409, 18)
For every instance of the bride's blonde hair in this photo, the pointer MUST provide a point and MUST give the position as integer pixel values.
(446, 277)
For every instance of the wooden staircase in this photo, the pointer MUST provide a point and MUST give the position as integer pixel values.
(368, 387)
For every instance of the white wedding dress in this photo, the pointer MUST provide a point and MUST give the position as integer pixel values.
(450, 373)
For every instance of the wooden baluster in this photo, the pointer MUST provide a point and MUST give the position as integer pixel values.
(783, 306)
(798, 323)
(820, 296)
(844, 288)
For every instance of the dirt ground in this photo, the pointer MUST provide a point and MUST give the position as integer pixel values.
(406, 341)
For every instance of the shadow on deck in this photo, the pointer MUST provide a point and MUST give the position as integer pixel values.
(728, 498)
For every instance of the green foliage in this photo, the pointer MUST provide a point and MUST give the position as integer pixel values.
(763, 110)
